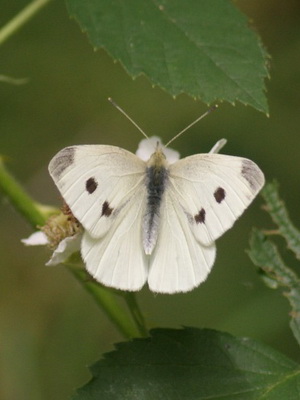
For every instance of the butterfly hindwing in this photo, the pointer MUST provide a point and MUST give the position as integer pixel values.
(178, 262)
(213, 190)
(96, 181)
(118, 259)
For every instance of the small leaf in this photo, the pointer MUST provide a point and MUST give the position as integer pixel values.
(203, 48)
(265, 255)
(276, 208)
(192, 364)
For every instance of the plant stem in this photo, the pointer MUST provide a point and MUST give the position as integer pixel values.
(136, 313)
(106, 299)
(20, 19)
(19, 198)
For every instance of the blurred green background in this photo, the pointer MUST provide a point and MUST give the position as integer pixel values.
(50, 329)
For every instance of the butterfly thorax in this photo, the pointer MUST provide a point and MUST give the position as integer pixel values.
(156, 180)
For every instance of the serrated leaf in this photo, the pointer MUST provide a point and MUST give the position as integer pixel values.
(203, 48)
(265, 255)
(192, 364)
(279, 214)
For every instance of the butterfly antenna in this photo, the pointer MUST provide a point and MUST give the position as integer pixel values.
(213, 108)
(127, 116)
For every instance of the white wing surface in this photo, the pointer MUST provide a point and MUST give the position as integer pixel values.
(213, 190)
(118, 259)
(178, 262)
(96, 182)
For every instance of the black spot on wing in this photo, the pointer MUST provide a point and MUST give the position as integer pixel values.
(106, 210)
(62, 161)
(219, 195)
(200, 217)
(91, 185)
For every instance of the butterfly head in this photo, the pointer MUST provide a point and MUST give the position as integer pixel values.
(153, 148)
(158, 159)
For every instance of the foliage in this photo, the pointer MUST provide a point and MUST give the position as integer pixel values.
(205, 49)
(192, 364)
(265, 255)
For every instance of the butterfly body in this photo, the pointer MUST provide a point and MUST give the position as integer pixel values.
(152, 220)
(156, 181)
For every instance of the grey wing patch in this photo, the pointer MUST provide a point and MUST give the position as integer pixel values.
(62, 161)
(252, 174)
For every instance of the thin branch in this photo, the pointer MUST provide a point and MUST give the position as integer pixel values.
(21, 19)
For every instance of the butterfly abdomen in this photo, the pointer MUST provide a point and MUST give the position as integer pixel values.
(156, 183)
(156, 180)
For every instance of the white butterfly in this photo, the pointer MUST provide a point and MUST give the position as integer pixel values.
(153, 220)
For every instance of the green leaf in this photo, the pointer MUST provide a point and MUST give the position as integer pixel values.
(192, 364)
(203, 48)
(276, 208)
(265, 255)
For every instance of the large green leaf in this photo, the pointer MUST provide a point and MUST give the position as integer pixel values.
(201, 47)
(192, 364)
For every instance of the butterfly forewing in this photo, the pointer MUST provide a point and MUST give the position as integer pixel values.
(96, 182)
(213, 190)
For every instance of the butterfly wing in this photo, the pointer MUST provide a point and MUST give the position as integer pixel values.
(205, 195)
(178, 262)
(104, 188)
(96, 182)
(118, 259)
(213, 190)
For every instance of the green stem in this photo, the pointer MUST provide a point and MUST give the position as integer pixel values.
(136, 313)
(20, 19)
(19, 198)
(106, 299)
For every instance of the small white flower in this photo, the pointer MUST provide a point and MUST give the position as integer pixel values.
(148, 146)
(65, 249)
(218, 146)
(62, 233)
(36, 239)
